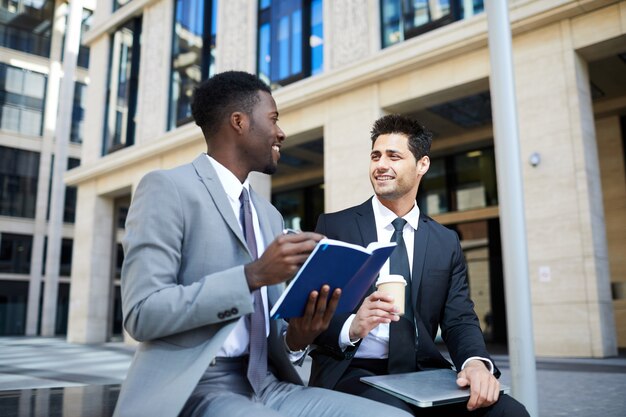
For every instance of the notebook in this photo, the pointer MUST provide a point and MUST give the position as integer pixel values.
(424, 388)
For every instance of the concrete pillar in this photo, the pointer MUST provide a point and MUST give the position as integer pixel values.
(50, 120)
(91, 267)
(567, 248)
(349, 31)
(57, 192)
(349, 119)
(154, 73)
(236, 34)
(611, 155)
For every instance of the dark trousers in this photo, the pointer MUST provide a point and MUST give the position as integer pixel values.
(350, 383)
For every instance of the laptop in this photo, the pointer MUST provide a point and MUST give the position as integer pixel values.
(424, 388)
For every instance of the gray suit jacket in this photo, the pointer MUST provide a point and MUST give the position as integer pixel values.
(183, 285)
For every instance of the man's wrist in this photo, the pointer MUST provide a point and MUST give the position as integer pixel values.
(252, 276)
(479, 360)
(344, 336)
(293, 352)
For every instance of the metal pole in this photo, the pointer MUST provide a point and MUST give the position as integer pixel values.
(511, 201)
(57, 190)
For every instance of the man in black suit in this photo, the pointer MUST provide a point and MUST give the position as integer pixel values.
(375, 340)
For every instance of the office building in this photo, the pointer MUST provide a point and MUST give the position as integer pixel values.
(32, 34)
(335, 67)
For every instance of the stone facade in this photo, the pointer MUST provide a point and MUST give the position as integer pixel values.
(574, 205)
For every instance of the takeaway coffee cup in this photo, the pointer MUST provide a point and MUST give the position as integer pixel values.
(394, 286)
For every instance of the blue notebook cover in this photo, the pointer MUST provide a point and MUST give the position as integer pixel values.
(352, 268)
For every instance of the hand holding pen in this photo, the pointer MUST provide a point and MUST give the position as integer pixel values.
(282, 258)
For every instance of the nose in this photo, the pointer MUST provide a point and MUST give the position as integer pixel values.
(280, 134)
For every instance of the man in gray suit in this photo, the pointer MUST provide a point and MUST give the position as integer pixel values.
(205, 261)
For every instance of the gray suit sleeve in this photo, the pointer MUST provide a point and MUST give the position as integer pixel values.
(154, 303)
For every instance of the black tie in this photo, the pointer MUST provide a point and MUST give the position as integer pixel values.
(257, 365)
(402, 332)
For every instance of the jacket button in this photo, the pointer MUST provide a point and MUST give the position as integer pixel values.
(234, 310)
(220, 315)
(227, 313)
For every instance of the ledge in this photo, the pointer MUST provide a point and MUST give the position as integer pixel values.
(182, 136)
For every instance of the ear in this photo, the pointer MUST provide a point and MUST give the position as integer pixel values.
(238, 121)
(422, 165)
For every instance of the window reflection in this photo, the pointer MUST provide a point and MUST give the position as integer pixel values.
(15, 252)
(404, 19)
(459, 182)
(25, 25)
(19, 174)
(122, 89)
(22, 100)
(78, 113)
(291, 40)
(193, 54)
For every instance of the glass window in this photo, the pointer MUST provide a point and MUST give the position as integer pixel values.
(22, 100)
(15, 251)
(34, 84)
(13, 302)
(317, 37)
(404, 19)
(19, 172)
(69, 211)
(25, 25)
(65, 263)
(83, 51)
(119, 3)
(433, 190)
(291, 40)
(193, 54)
(78, 113)
(301, 207)
(458, 182)
(474, 179)
(122, 88)
(69, 208)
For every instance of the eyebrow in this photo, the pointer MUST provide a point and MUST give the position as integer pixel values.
(387, 151)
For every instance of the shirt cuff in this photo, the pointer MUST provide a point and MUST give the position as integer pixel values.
(296, 357)
(344, 336)
(484, 360)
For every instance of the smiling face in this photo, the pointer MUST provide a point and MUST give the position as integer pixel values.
(394, 172)
(265, 137)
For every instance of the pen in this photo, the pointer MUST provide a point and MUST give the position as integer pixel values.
(289, 231)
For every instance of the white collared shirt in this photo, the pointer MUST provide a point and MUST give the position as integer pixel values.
(237, 343)
(376, 344)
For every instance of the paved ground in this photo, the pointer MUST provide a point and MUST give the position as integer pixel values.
(567, 387)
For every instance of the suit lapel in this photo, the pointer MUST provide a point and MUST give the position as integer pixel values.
(209, 178)
(366, 223)
(420, 242)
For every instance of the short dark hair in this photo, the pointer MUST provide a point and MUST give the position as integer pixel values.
(419, 137)
(218, 97)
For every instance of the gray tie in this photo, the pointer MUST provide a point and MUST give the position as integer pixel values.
(401, 333)
(257, 365)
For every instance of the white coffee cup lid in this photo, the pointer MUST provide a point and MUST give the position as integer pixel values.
(385, 279)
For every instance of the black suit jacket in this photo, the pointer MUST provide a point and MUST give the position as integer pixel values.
(440, 296)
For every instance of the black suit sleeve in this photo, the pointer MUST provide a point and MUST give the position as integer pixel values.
(459, 325)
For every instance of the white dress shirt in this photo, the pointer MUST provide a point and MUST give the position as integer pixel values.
(237, 343)
(376, 344)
